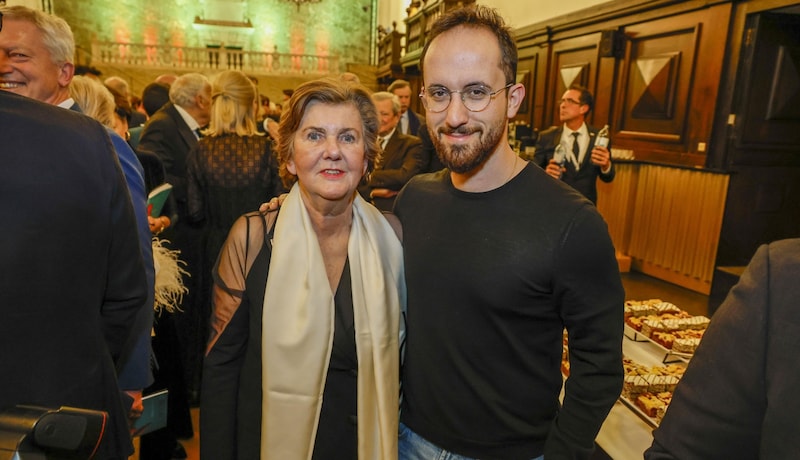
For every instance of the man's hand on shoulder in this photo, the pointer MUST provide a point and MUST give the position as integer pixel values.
(273, 204)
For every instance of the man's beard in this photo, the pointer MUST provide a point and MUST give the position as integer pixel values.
(462, 158)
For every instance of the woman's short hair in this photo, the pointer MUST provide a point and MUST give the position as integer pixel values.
(233, 97)
(122, 106)
(94, 99)
(328, 91)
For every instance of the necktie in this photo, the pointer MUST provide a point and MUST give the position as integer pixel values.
(576, 150)
(197, 133)
(379, 157)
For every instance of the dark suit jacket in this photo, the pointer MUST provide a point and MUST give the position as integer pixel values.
(134, 372)
(429, 156)
(72, 278)
(169, 137)
(585, 179)
(738, 398)
(415, 122)
(400, 161)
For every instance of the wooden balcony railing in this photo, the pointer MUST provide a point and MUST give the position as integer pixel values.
(213, 58)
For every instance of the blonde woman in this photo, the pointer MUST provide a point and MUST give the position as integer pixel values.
(232, 168)
(94, 99)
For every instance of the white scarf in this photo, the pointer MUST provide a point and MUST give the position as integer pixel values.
(298, 332)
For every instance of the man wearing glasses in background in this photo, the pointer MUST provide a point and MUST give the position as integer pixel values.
(500, 259)
(584, 161)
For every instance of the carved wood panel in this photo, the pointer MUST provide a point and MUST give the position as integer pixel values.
(668, 85)
(659, 70)
(574, 62)
(770, 106)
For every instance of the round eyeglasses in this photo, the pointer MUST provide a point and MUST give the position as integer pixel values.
(474, 97)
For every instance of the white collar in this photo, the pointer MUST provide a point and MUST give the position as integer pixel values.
(583, 130)
(389, 136)
(66, 103)
(188, 119)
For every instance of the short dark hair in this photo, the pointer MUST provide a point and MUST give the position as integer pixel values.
(585, 98)
(87, 70)
(398, 84)
(478, 16)
(154, 96)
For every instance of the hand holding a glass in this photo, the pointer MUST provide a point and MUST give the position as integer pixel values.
(555, 166)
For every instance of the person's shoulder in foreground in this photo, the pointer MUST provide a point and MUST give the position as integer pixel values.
(738, 398)
(73, 274)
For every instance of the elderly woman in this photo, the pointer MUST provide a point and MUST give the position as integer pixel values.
(326, 383)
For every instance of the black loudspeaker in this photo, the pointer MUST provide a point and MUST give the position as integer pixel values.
(611, 43)
(39, 433)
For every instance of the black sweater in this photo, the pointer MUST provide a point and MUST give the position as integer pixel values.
(493, 279)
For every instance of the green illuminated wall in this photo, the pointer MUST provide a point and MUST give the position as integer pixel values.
(332, 27)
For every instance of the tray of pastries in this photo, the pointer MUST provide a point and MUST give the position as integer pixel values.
(675, 331)
(647, 390)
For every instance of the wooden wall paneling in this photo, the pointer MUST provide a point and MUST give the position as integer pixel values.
(769, 111)
(763, 205)
(668, 86)
(762, 151)
(737, 68)
(616, 203)
(605, 91)
(532, 65)
(415, 81)
(657, 81)
(535, 59)
(676, 225)
(574, 61)
(526, 74)
(540, 100)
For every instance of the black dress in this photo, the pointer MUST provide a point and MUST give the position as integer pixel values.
(168, 372)
(232, 368)
(226, 176)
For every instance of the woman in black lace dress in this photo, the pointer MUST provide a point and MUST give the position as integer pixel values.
(231, 171)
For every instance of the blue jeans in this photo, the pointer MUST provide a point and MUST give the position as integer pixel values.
(412, 446)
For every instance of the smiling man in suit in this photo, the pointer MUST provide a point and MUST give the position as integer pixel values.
(400, 160)
(585, 161)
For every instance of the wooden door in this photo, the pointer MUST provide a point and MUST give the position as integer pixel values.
(763, 156)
